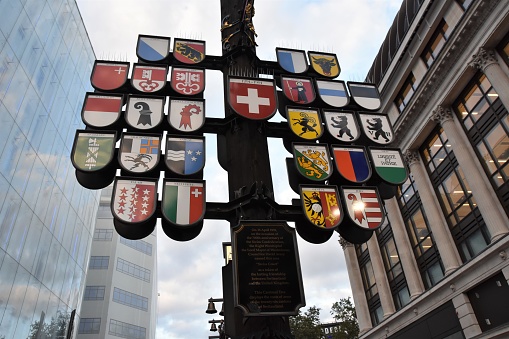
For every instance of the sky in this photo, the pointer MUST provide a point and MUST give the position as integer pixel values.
(189, 273)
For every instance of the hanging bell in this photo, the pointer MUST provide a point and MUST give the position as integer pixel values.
(211, 309)
(213, 327)
(221, 313)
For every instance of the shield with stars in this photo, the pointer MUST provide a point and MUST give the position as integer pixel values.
(298, 90)
(186, 115)
(144, 113)
(134, 201)
(183, 201)
(149, 78)
(152, 48)
(189, 51)
(139, 153)
(109, 75)
(324, 64)
(252, 98)
(312, 161)
(321, 205)
(187, 81)
(364, 206)
(305, 122)
(93, 151)
(185, 156)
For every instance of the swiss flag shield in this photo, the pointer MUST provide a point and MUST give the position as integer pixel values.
(252, 98)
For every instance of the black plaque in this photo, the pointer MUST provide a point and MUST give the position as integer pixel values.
(267, 274)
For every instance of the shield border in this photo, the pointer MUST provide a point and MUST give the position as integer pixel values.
(334, 81)
(361, 115)
(347, 211)
(165, 180)
(149, 65)
(398, 150)
(131, 96)
(193, 68)
(354, 117)
(109, 62)
(153, 37)
(112, 154)
(190, 100)
(364, 83)
(292, 50)
(185, 137)
(253, 79)
(316, 53)
(127, 178)
(320, 123)
(175, 40)
(365, 155)
(338, 199)
(158, 136)
(325, 146)
(121, 96)
(283, 76)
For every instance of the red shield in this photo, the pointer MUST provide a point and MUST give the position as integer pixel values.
(253, 98)
(149, 79)
(189, 51)
(107, 76)
(134, 201)
(298, 90)
(187, 81)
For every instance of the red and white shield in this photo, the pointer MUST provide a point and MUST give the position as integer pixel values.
(253, 98)
(134, 200)
(187, 81)
(364, 207)
(107, 76)
(149, 79)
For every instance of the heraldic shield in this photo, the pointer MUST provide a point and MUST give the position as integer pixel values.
(134, 200)
(149, 79)
(321, 205)
(101, 110)
(185, 155)
(342, 125)
(139, 153)
(252, 98)
(389, 165)
(298, 90)
(189, 51)
(363, 206)
(187, 81)
(365, 95)
(312, 161)
(292, 60)
(183, 201)
(108, 75)
(186, 115)
(305, 123)
(93, 151)
(352, 163)
(325, 64)
(144, 113)
(377, 128)
(333, 92)
(152, 48)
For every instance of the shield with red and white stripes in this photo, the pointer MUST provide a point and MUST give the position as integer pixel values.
(364, 206)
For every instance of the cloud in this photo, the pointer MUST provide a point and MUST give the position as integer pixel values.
(189, 273)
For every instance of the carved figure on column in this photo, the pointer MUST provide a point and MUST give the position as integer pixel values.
(411, 157)
(483, 59)
(441, 115)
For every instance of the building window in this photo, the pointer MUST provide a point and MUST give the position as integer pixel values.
(133, 270)
(406, 92)
(503, 49)
(125, 330)
(139, 245)
(89, 326)
(130, 299)
(453, 192)
(465, 3)
(94, 293)
(485, 120)
(435, 44)
(99, 263)
(369, 284)
(103, 234)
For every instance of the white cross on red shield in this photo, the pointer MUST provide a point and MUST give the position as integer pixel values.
(252, 98)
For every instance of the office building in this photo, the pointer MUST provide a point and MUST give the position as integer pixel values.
(438, 268)
(120, 297)
(46, 217)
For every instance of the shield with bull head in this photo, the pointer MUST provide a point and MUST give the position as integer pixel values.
(325, 64)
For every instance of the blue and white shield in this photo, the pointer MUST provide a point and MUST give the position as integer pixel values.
(185, 155)
(333, 93)
(152, 48)
(292, 60)
(365, 95)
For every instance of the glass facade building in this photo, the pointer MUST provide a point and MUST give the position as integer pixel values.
(46, 217)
